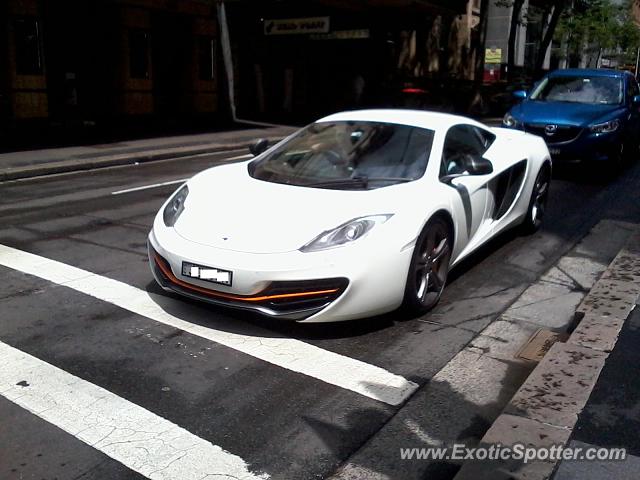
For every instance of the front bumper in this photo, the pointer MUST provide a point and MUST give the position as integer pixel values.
(327, 286)
(285, 300)
(585, 146)
(591, 148)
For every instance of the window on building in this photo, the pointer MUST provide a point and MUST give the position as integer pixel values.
(28, 48)
(139, 54)
(206, 58)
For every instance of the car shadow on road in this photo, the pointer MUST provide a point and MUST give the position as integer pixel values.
(591, 174)
(439, 414)
(253, 324)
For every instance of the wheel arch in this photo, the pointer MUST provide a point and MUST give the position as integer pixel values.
(446, 216)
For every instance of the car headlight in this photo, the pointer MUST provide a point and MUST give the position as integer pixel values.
(175, 207)
(606, 127)
(345, 233)
(509, 121)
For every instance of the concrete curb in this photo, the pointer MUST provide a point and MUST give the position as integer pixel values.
(103, 161)
(545, 409)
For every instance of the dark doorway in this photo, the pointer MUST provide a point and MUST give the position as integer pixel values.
(79, 59)
(171, 53)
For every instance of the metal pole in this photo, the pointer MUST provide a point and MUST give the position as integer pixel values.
(637, 61)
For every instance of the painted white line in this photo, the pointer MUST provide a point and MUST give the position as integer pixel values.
(240, 157)
(146, 187)
(172, 182)
(126, 432)
(348, 373)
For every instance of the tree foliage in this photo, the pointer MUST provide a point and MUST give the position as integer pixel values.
(590, 27)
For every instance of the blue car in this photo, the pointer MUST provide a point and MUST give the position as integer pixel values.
(582, 114)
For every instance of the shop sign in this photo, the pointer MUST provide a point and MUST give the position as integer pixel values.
(296, 26)
(493, 55)
(343, 35)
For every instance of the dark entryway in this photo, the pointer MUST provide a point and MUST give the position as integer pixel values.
(171, 53)
(79, 55)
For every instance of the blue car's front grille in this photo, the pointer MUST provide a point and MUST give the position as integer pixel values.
(553, 133)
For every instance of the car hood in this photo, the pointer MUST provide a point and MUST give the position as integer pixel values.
(228, 209)
(563, 113)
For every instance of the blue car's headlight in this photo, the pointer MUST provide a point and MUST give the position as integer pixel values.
(175, 207)
(606, 127)
(510, 121)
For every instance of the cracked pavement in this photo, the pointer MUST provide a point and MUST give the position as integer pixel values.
(282, 423)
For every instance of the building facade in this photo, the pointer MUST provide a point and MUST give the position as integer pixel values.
(299, 60)
(99, 61)
(528, 35)
(73, 60)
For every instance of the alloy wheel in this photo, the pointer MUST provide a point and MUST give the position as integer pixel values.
(432, 265)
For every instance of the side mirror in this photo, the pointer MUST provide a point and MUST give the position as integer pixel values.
(473, 166)
(635, 101)
(479, 165)
(259, 146)
(520, 94)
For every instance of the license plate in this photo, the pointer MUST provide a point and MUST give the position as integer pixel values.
(554, 151)
(209, 274)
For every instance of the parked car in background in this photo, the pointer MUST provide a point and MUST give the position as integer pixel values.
(582, 114)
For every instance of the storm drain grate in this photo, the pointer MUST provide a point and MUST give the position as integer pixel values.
(539, 344)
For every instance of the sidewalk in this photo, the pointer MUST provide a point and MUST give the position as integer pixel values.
(32, 163)
(611, 418)
(584, 393)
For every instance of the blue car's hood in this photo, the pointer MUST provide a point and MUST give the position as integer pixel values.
(564, 113)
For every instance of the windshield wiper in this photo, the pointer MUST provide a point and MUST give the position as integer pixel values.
(362, 180)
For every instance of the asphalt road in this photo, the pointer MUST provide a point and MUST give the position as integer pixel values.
(283, 423)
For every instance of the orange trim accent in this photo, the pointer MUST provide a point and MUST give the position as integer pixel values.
(160, 262)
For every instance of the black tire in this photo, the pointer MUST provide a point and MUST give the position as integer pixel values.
(538, 202)
(429, 267)
(619, 158)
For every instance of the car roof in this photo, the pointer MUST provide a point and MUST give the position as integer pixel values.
(592, 72)
(414, 118)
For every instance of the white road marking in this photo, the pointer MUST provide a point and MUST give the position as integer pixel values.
(335, 369)
(172, 182)
(126, 432)
(146, 187)
(240, 157)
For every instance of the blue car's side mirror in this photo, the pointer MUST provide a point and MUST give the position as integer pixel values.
(520, 94)
(636, 100)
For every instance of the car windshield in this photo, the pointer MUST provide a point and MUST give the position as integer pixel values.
(348, 155)
(580, 89)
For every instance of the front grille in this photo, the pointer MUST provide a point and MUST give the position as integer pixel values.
(290, 299)
(562, 133)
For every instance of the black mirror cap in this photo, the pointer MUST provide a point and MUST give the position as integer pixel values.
(259, 146)
(480, 166)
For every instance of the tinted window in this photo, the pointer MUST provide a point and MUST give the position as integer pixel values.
(206, 58)
(27, 46)
(461, 142)
(139, 54)
(348, 150)
(583, 89)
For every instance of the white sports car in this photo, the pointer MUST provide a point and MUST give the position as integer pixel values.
(354, 215)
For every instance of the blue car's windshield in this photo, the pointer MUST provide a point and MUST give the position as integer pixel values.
(582, 89)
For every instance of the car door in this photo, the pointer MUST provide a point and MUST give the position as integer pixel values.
(461, 143)
(634, 110)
